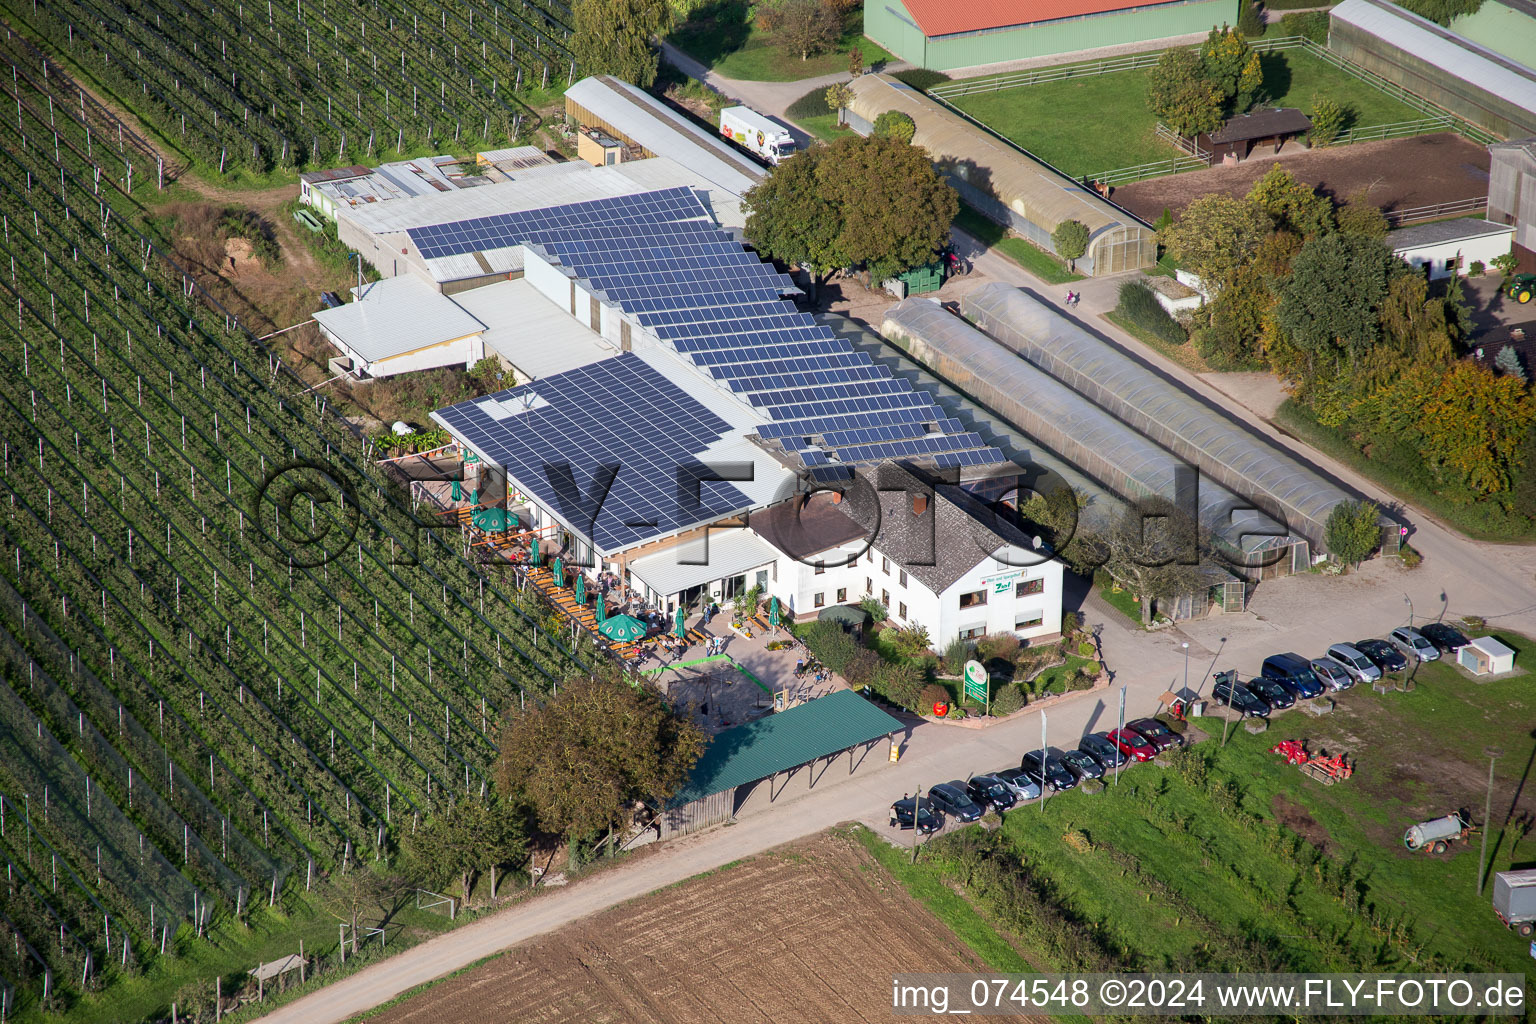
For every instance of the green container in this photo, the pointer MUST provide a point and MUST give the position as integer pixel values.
(927, 278)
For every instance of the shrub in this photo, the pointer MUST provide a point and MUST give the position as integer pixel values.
(910, 641)
(1410, 558)
(874, 609)
(889, 637)
(1080, 682)
(933, 694)
(1190, 765)
(831, 646)
(901, 684)
(921, 79)
(1312, 24)
(1071, 622)
(1092, 669)
(895, 125)
(1007, 700)
(1250, 20)
(956, 712)
(1476, 268)
(1329, 119)
(1086, 649)
(812, 104)
(997, 645)
(1506, 263)
(955, 656)
(1140, 307)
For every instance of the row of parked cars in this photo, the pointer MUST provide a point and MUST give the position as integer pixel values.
(1055, 772)
(1287, 678)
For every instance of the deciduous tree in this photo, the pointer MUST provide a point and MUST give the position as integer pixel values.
(1216, 235)
(1070, 240)
(790, 219)
(614, 37)
(1231, 65)
(457, 843)
(1293, 205)
(580, 759)
(893, 124)
(1330, 306)
(804, 27)
(1154, 550)
(1181, 96)
(1352, 532)
(1474, 423)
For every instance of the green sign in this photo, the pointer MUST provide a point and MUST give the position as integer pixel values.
(976, 682)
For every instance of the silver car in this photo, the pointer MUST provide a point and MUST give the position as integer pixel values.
(1355, 662)
(1411, 641)
(1023, 787)
(1331, 674)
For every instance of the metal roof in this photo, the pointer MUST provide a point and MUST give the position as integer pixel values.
(652, 124)
(1219, 445)
(728, 552)
(1261, 124)
(532, 333)
(396, 316)
(1454, 54)
(1442, 231)
(945, 17)
(788, 739)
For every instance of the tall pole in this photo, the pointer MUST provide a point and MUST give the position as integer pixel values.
(1119, 760)
(1043, 749)
(1186, 668)
(1494, 753)
(917, 805)
(1409, 602)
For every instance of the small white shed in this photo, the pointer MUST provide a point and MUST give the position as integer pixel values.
(1486, 656)
(1444, 247)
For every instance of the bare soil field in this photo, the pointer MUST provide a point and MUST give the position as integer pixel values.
(1396, 174)
(809, 932)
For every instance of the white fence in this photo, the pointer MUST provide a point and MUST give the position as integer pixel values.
(1413, 215)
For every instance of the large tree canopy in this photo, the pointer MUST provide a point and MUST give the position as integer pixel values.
(1331, 305)
(872, 202)
(579, 759)
(1181, 96)
(1216, 235)
(613, 37)
(1154, 549)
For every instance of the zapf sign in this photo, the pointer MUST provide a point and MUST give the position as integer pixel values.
(1002, 582)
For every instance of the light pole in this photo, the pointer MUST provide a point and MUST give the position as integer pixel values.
(1409, 602)
(1493, 754)
(359, 257)
(1186, 668)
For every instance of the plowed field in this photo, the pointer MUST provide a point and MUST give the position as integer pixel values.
(808, 933)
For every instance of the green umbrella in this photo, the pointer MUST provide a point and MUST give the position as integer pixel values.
(533, 552)
(581, 588)
(623, 628)
(491, 520)
(559, 571)
(773, 613)
(678, 625)
(601, 611)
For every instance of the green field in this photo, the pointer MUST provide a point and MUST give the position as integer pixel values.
(719, 35)
(1087, 126)
(1235, 860)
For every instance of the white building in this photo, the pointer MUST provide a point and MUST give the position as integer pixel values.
(1445, 246)
(400, 325)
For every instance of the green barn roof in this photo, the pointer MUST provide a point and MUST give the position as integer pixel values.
(747, 753)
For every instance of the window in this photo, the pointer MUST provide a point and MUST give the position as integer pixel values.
(973, 633)
(1030, 620)
(901, 579)
(1029, 587)
(885, 565)
(902, 612)
(1452, 263)
(885, 598)
(819, 600)
(974, 598)
(820, 568)
(869, 556)
(869, 585)
(842, 595)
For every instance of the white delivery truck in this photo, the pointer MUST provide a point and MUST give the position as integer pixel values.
(759, 135)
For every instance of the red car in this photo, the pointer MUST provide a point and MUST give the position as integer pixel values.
(1132, 744)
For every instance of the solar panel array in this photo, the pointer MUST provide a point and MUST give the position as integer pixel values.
(618, 412)
(660, 257)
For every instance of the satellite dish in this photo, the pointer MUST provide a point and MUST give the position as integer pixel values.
(1036, 543)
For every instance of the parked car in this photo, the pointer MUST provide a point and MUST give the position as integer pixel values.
(1355, 662)
(1052, 774)
(1098, 746)
(1159, 735)
(1082, 764)
(929, 818)
(1331, 674)
(951, 798)
(1272, 692)
(1019, 782)
(1448, 639)
(1411, 641)
(990, 790)
(1239, 698)
(1133, 744)
(1293, 672)
(1382, 654)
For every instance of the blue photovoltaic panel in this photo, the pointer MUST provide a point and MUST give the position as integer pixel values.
(617, 412)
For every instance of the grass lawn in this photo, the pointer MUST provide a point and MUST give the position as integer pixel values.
(1239, 859)
(1185, 355)
(1122, 601)
(1481, 521)
(824, 127)
(1046, 266)
(1087, 126)
(719, 35)
(1054, 680)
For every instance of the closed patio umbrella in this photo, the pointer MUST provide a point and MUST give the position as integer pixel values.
(773, 612)
(581, 588)
(533, 552)
(678, 625)
(559, 571)
(601, 611)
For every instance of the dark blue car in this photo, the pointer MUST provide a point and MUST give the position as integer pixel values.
(1293, 672)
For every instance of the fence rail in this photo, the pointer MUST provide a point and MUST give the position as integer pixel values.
(1400, 130)
(1413, 215)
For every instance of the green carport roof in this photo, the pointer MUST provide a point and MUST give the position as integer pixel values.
(784, 740)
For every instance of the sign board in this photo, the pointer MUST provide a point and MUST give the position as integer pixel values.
(976, 682)
(1002, 581)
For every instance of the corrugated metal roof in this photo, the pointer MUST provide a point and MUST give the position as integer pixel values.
(1028, 188)
(649, 122)
(1454, 54)
(729, 552)
(395, 316)
(817, 728)
(1442, 231)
